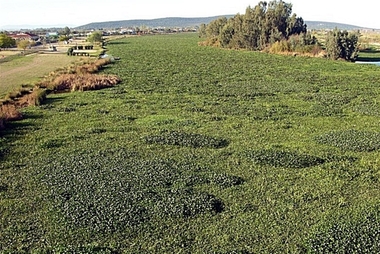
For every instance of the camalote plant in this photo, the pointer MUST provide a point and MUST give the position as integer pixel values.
(359, 236)
(283, 158)
(186, 139)
(225, 180)
(83, 250)
(113, 191)
(351, 140)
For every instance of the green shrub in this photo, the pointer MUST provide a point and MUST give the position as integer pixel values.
(280, 47)
(70, 51)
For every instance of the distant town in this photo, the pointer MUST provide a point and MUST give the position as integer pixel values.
(40, 36)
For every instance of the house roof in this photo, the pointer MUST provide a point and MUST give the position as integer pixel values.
(32, 35)
(23, 36)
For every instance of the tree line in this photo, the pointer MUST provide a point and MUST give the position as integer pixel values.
(273, 26)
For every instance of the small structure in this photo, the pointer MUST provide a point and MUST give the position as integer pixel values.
(52, 34)
(24, 36)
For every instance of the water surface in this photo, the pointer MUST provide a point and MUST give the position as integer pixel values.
(361, 62)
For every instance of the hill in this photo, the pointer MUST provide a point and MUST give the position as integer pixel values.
(193, 22)
(161, 22)
(331, 25)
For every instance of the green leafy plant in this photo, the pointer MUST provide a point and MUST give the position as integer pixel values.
(283, 158)
(361, 236)
(186, 139)
(352, 140)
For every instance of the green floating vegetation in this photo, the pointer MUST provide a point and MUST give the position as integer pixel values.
(282, 158)
(109, 192)
(3, 187)
(84, 250)
(352, 140)
(351, 237)
(186, 139)
(225, 180)
(328, 104)
(187, 203)
(367, 107)
(65, 109)
(51, 143)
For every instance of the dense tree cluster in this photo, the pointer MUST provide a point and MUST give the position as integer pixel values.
(342, 44)
(64, 35)
(273, 27)
(259, 27)
(6, 41)
(95, 37)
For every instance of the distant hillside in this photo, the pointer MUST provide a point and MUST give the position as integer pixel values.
(161, 22)
(331, 25)
(192, 22)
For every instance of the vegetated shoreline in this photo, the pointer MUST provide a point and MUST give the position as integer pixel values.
(81, 76)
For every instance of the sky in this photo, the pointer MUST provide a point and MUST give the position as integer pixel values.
(72, 13)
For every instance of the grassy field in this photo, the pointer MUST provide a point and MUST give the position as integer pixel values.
(198, 150)
(26, 70)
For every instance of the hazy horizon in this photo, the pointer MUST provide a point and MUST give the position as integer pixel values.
(43, 13)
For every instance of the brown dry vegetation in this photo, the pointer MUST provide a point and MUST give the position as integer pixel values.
(284, 48)
(9, 112)
(77, 77)
(81, 82)
(9, 109)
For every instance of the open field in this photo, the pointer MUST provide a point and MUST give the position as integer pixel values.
(29, 69)
(5, 53)
(370, 38)
(198, 150)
